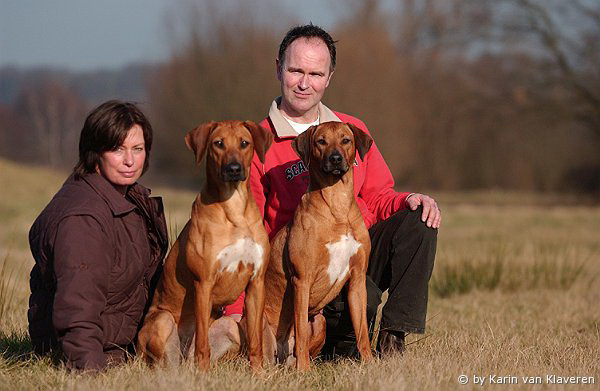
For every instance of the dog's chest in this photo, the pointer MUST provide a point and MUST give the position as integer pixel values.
(244, 251)
(340, 253)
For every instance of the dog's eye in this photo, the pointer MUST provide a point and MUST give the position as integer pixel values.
(219, 144)
(321, 141)
(345, 141)
(244, 143)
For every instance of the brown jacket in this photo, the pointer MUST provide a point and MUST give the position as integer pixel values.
(97, 256)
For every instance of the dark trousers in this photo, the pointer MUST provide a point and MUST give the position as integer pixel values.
(401, 261)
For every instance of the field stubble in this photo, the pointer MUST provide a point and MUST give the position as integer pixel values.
(514, 292)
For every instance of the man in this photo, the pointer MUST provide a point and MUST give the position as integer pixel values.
(402, 226)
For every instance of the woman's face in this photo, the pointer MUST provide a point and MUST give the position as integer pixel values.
(124, 165)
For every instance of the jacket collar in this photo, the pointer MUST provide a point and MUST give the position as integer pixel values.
(116, 202)
(283, 127)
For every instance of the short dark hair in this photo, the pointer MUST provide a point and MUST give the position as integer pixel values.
(105, 128)
(308, 31)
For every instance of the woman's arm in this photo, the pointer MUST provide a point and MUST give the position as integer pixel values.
(82, 269)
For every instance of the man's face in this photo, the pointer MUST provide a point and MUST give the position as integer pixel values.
(304, 76)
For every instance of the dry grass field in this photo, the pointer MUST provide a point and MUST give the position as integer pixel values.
(515, 297)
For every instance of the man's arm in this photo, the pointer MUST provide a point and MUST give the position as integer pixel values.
(258, 184)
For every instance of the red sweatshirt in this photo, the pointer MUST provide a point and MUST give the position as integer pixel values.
(279, 183)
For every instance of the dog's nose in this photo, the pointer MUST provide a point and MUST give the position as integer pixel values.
(233, 169)
(335, 158)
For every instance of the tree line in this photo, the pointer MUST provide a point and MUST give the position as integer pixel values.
(458, 94)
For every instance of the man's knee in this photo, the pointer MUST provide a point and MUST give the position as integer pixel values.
(414, 235)
(423, 237)
(411, 223)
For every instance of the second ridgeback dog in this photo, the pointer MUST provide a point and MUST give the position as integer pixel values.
(325, 245)
(222, 250)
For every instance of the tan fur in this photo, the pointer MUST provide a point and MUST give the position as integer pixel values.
(181, 320)
(297, 282)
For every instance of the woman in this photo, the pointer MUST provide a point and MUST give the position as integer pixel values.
(98, 245)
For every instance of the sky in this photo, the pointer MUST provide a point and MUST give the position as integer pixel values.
(87, 35)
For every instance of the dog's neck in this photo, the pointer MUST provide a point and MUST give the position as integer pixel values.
(337, 192)
(224, 192)
(231, 197)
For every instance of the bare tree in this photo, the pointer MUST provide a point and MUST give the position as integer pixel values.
(568, 33)
(219, 70)
(54, 115)
(457, 93)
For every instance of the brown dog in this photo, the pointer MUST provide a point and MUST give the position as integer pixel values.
(325, 245)
(222, 250)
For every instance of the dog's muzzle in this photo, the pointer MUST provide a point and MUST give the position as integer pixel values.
(335, 164)
(233, 172)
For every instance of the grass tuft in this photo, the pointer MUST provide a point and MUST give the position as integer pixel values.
(16, 347)
(544, 268)
(7, 287)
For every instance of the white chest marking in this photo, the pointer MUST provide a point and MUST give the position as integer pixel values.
(340, 253)
(244, 250)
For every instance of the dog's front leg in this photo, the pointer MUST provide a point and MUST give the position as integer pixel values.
(357, 300)
(202, 311)
(255, 304)
(301, 297)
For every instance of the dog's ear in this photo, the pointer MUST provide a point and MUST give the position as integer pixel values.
(261, 137)
(302, 144)
(362, 141)
(196, 139)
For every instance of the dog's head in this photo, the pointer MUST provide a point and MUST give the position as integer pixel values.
(333, 145)
(229, 147)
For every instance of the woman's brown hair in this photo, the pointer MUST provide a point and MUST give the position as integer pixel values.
(105, 129)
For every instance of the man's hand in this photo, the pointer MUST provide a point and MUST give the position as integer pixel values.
(431, 213)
